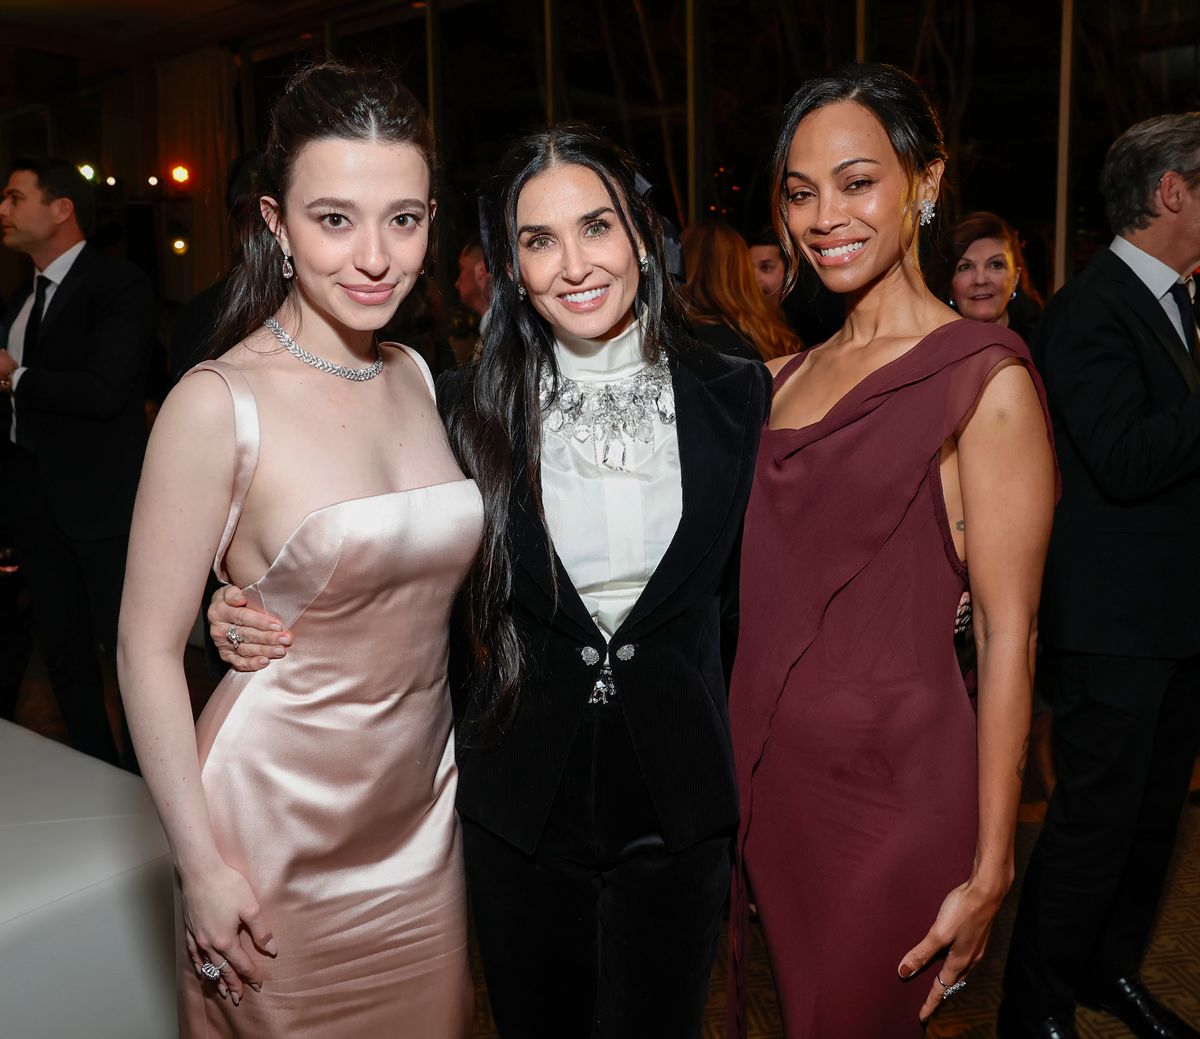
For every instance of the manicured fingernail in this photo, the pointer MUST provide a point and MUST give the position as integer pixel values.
(271, 947)
(236, 999)
(257, 987)
(277, 627)
(276, 652)
(285, 640)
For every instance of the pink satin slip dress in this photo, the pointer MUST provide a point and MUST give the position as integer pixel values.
(330, 775)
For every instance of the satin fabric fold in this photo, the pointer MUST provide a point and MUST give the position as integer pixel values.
(330, 776)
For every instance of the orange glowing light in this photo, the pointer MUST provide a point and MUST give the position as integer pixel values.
(180, 174)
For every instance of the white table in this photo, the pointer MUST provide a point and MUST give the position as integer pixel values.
(87, 917)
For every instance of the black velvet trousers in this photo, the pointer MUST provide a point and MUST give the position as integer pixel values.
(601, 932)
(1125, 732)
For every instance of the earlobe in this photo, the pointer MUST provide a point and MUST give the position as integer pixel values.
(269, 209)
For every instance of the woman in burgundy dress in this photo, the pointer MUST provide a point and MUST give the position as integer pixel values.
(878, 812)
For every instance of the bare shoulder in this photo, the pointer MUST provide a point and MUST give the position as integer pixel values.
(1009, 393)
(257, 351)
(776, 364)
(200, 402)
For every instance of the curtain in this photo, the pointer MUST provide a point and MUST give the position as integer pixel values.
(196, 129)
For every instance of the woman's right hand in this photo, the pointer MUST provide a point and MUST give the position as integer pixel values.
(217, 905)
(261, 637)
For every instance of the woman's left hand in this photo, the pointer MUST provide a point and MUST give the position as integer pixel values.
(961, 928)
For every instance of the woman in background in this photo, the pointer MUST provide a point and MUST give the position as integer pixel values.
(988, 277)
(728, 308)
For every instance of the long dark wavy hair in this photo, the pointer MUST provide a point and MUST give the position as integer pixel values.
(900, 105)
(499, 413)
(330, 100)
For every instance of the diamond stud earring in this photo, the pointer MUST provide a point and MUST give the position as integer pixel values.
(927, 211)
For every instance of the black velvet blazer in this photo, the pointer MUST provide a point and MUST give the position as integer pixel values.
(668, 659)
(1123, 571)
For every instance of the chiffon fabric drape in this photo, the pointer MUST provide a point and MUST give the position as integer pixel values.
(854, 738)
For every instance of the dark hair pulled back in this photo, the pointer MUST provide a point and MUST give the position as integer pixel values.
(325, 101)
(496, 425)
(888, 93)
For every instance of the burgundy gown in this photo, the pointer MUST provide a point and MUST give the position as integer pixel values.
(853, 736)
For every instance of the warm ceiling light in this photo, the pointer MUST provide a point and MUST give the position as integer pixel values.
(180, 174)
(89, 172)
(179, 246)
(111, 181)
(152, 181)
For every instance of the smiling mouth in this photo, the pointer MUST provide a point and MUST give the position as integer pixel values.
(840, 250)
(584, 296)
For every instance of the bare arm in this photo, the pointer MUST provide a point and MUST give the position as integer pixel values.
(1006, 471)
(181, 509)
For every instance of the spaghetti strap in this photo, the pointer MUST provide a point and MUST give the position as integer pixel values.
(787, 371)
(247, 439)
(419, 361)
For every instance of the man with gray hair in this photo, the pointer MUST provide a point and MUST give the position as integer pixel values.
(1120, 620)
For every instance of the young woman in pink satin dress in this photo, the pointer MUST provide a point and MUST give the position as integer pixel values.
(311, 812)
(877, 812)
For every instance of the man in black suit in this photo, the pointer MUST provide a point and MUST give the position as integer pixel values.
(1120, 620)
(72, 392)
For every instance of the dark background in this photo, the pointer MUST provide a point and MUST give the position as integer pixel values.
(83, 80)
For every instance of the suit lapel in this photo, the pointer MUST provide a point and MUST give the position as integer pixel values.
(1152, 315)
(66, 289)
(711, 427)
(534, 555)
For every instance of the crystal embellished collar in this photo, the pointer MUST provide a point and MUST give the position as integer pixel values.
(322, 365)
(612, 415)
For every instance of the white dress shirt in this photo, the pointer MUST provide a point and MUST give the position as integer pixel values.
(1157, 277)
(610, 527)
(54, 273)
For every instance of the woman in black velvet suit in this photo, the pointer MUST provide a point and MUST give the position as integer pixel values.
(596, 782)
(614, 455)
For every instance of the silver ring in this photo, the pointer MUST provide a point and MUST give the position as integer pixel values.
(233, 638)
(949, 990)
(211, 970)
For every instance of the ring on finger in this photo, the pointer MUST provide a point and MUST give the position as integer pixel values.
(950, 990)
(212, 971)
(233, 637)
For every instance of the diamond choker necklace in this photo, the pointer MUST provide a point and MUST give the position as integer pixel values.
(298, 352)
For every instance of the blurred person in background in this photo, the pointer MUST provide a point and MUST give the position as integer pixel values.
(729, 310)
(474, 287)
(813, 312)
(72, 411)
(988, 277)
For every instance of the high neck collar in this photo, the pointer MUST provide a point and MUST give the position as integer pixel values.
(594, 360)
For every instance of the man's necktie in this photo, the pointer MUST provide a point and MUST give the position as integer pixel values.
(34, 325)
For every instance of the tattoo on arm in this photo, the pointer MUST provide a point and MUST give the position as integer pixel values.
(960, 525)
(1023, 760)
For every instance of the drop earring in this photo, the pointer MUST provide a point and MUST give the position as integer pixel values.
(643, 263)
(521, 291)
(927, 211)
(289, 272)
